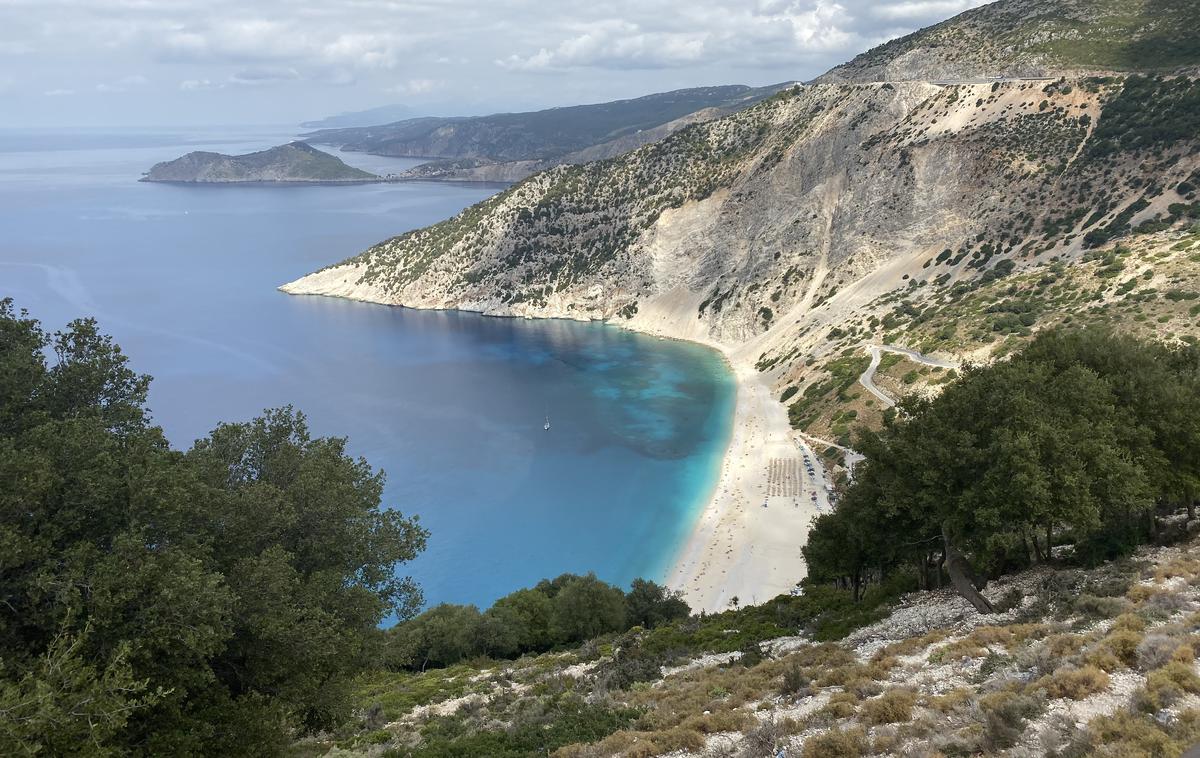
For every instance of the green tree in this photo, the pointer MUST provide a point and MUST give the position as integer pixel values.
(648, 604)
(206, 603)
(534, 616)
(586, 607)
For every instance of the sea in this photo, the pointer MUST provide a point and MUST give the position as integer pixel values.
(452, 406)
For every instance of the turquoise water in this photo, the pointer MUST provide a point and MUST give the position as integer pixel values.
(450, 405)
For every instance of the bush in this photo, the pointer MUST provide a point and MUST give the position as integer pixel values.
(1004, 715)
(1155, 651)
(1074, 683)
(892, 707)
(1165, 686)
(795, 681)
(837, 743)
(1101, 607)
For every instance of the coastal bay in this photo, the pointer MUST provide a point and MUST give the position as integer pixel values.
(450, 405)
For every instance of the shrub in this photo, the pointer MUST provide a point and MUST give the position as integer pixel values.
(837, 743)
(841, 705)
(1004, 715)
(1075, 683)
(1123, 645)
(892, 707)
(1164, 604)
(1156, 650)
(795, 681)
(1101, 607)
(1165, 686)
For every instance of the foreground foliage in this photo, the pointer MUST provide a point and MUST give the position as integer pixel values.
(165, 603)
(1083, 439)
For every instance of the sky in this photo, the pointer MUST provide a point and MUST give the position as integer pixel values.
(86, 63)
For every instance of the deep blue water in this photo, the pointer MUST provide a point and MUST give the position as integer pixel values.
(450, 405)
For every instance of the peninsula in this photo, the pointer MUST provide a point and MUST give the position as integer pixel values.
(293, 163)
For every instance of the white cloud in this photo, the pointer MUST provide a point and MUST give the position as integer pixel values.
(59, 92)
(124, 84)
(772, 31)
(300, 57)
(413, 87)
(259, 77)
(924, 9)
(188, 85)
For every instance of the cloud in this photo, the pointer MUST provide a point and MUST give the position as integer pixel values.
(413, 87)
(462, 55)
(771, 32)
(924, 9)
(59, 92)
(124, 84)
(258, 77)
(614, 44)
(189, 85)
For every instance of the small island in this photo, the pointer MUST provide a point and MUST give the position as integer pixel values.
(293, 163)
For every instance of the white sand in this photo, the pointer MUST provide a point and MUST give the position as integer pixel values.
(738, 548)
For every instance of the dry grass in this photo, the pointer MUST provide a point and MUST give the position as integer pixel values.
(951, 701)
(1121, 645)
(912, 645)
(841, 705)
(837, 743)
(978, 643)
(1167, 685)
(892, 707)
(1073, 683)
(1186, 567)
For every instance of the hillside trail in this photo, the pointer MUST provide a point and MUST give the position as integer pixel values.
(867, 379)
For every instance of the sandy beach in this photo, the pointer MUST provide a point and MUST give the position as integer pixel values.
(739, 548)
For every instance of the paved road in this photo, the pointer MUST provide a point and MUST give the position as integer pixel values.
(867, 379)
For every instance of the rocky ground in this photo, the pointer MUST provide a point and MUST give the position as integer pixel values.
(1079, 662)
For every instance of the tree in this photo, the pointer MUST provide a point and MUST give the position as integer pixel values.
(1073, 439)
(534, 615)
(206, 603)
(586, 607)
(648, 605)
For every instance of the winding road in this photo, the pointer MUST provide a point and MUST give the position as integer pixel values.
(867, 379)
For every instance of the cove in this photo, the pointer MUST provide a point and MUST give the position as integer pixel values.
(451, 405)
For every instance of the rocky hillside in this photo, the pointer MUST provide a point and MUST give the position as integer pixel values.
(835, 216)
(294, 162)
(1021, 38)
(1097, 662)
(512, 146)
(789, 215)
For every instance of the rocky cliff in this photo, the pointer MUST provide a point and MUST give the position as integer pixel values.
(776, 230)
(294, 162)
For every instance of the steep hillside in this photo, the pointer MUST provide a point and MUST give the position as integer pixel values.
(294, 162)
(1038, 38)
(512, 146)
(788, 216)
(1079, 663)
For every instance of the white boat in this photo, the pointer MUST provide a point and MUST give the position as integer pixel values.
(546, 426)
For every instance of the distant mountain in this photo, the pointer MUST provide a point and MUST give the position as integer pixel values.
(511, 146)
(294, 162)
(384, 114)
(1018, 38)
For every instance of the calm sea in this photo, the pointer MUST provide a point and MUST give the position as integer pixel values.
(450, 405)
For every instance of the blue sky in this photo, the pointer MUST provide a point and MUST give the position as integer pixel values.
(176, 62)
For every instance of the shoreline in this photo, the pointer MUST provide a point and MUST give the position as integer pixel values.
(738, 548)
(735, 547)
